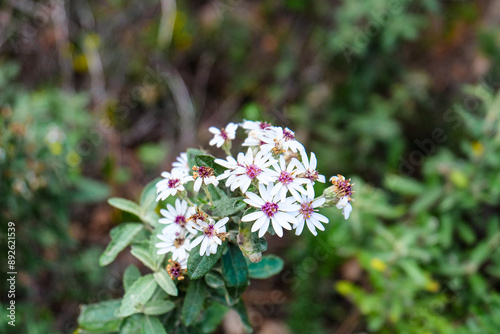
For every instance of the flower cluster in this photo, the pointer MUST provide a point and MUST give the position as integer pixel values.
(275, 176)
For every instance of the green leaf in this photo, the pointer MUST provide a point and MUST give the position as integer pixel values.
(100, 317)
(165, 282)
(146, 252)
(225, 206)
(212, 317)
(148, 203)
(124, 205)
(191, 155)
(208, 161)
(413, 271)
(157, 307)
(89, 191)
(269, 265)
(199, 265)
(121, 236)
(138, 294)
(152, 325)
(193, 302)
(130, 275)
(132, 324)
(235, 271)
(214, 280)
(241, 309)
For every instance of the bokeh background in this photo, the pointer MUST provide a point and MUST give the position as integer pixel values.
(98, 97)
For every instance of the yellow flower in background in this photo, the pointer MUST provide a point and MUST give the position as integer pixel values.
(378, 264)
(344, 287)
(55, 148)
(73, 159)
(432, 286)
(80, 64)
(477, 148)
(459, 179)
(91, 42)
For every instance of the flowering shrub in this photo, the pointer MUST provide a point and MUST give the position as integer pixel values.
(214, 216)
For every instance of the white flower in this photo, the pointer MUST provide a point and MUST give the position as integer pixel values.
(247, 169)
(306, 215)
(213, 235)
(203, 174)
(176, 217)
(345, 206)
(270, 209)
(172, 183)
(278, 140)
(287, 180)
(179, 244)
(307, 170)
(254, 130)
(223, 135)
(181, 165)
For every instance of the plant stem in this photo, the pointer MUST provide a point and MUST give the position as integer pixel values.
(208, 195)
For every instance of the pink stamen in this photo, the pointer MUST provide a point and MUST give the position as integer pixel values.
(173, 183)
(270, 209)
(285, 178)
(253, 171)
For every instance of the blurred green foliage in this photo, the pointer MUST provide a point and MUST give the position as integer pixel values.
(41, 179)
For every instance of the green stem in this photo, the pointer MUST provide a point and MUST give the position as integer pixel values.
(208, 194)
(227, 148)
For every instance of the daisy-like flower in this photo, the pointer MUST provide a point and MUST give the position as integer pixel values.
(254, 130)
(306, 215)
(223, 135)
(271, 209)
(176, 270)
(172, 183)
(278, 140)
(247, 169)
(307, 170)
(288, 180)
(176, 218)
(181, 164)
(343, 191)
(203, 174)
(213, 234)
(179, 244)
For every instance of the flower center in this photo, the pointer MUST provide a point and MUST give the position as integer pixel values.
(278, 147)
(288, 135)
(311, 175)
(343, 187)
(285, 178)
(253, 171)
(223, 134)
(174, 183)
(174, 269)
(306, 210)
(209, 231)
(178, 242)
(203, 172)
(264, 125)
(181, 221)
(270, 209)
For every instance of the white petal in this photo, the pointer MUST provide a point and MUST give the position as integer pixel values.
(197, 184)
(347, 210)
(277, 227)
(318, 202)
(255, 199)
(260, 222)
(252, 216)
(214, 130)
